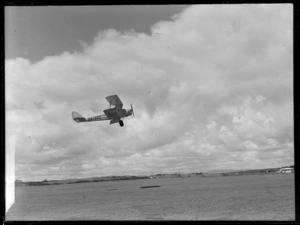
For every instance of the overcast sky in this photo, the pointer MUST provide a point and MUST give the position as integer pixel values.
(211, 87)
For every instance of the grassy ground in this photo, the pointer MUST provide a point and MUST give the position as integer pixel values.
(251, 197)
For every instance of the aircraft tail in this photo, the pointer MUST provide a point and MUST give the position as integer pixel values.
(77, 117)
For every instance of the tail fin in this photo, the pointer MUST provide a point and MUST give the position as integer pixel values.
(78, 117)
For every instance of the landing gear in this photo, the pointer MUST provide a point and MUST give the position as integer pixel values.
(121, 123)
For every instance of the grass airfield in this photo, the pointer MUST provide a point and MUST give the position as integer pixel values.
(248, 197)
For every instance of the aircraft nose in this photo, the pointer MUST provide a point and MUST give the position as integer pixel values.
(128, 112)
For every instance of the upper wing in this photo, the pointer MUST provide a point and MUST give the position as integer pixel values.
(114, 100)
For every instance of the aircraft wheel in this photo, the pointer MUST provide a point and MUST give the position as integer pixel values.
(121, 123)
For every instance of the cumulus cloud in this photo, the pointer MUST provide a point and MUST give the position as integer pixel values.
(211, 89)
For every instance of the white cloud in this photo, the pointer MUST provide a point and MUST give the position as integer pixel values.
(212, 90)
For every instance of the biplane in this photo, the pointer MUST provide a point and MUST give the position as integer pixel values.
(114, 114)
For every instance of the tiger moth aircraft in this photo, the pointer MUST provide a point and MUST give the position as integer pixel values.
(114, 114)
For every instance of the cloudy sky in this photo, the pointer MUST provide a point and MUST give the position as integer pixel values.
(211, 87)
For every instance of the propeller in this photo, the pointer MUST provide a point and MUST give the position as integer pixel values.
(132, 110)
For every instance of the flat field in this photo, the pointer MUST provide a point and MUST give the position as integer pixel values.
(250, 197)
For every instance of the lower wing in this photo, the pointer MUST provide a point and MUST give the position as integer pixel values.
(111, 113)
(114, 121)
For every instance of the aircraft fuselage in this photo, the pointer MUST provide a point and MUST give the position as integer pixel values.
(97, 118)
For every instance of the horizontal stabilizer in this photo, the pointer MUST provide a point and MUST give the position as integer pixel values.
(78, 117)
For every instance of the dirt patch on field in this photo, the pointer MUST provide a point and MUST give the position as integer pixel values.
(153, 186)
